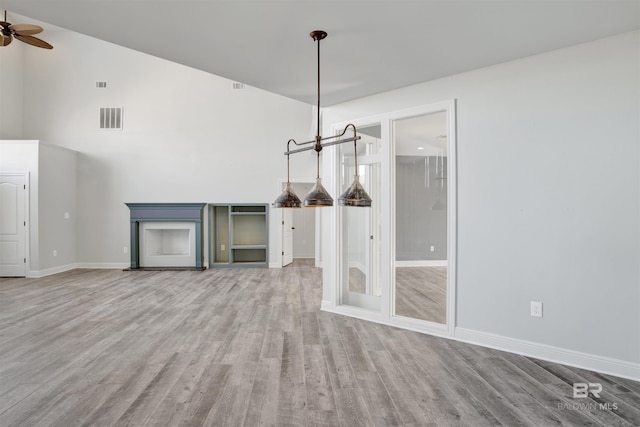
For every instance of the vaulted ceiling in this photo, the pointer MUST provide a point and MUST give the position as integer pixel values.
(372, 47)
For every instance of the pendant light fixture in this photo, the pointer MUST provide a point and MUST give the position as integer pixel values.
(355, 195)
(319, 196)
(288, 198)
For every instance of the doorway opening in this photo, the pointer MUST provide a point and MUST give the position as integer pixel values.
(299, 231)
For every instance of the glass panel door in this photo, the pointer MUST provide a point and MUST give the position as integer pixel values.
(421, 264)
(361, 226)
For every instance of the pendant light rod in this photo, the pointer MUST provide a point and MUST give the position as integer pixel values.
(288, 167)
(355, 156)
(355, 137)
(318, 35)
(326, 144)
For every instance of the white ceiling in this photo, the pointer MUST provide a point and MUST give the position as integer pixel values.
(373, 46)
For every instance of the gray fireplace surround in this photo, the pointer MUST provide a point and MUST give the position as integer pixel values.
(165, 212)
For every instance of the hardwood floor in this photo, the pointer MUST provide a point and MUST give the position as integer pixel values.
(250, 347)
(421, 293)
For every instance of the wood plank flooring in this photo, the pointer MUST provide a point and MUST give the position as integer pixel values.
(421, 293)
(249, 347)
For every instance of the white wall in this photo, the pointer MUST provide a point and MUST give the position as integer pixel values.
(56, 196)
(52, 192)
(11, 84)
(548, 194)
(187, 137)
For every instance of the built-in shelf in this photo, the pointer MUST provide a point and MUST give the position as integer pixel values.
(238, 235)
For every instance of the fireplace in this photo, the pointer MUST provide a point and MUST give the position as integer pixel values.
(166, 235)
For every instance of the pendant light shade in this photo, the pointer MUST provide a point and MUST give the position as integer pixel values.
(287, 199)
(355, 195)
(318, 197)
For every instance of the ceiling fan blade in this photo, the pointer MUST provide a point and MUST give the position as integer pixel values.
(34, 41)
(5, 40)
(25, 29)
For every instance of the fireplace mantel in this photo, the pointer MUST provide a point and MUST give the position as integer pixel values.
(165, 212)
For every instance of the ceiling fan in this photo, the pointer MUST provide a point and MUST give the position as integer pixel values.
(22, 32)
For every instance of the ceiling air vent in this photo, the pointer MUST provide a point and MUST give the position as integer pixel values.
(237, 85)
(111, 118)
(101, 85)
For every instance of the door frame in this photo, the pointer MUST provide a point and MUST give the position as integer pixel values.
(27, 218)
(332, 274)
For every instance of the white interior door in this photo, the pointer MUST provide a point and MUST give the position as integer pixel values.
(304, 225)
(369, 171)
(287, 236)
(360, 227)
(12, 226)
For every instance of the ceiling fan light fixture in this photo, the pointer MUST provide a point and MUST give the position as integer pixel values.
(22, 32)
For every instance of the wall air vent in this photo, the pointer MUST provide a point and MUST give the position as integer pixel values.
(101, 85)
(111, 118)
(237, 85)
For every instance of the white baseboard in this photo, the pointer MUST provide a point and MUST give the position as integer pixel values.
(591, 362)
(606, 365)
(49, 271)
(104, 265)
(422, 263)
(326, 305)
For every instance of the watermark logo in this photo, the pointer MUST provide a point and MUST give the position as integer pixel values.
(582, 390)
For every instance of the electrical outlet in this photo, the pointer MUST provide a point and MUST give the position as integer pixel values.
(432, 248)
(222, 247)
(55, 252)
(536, 309)
(125, 250)
(66, 215)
